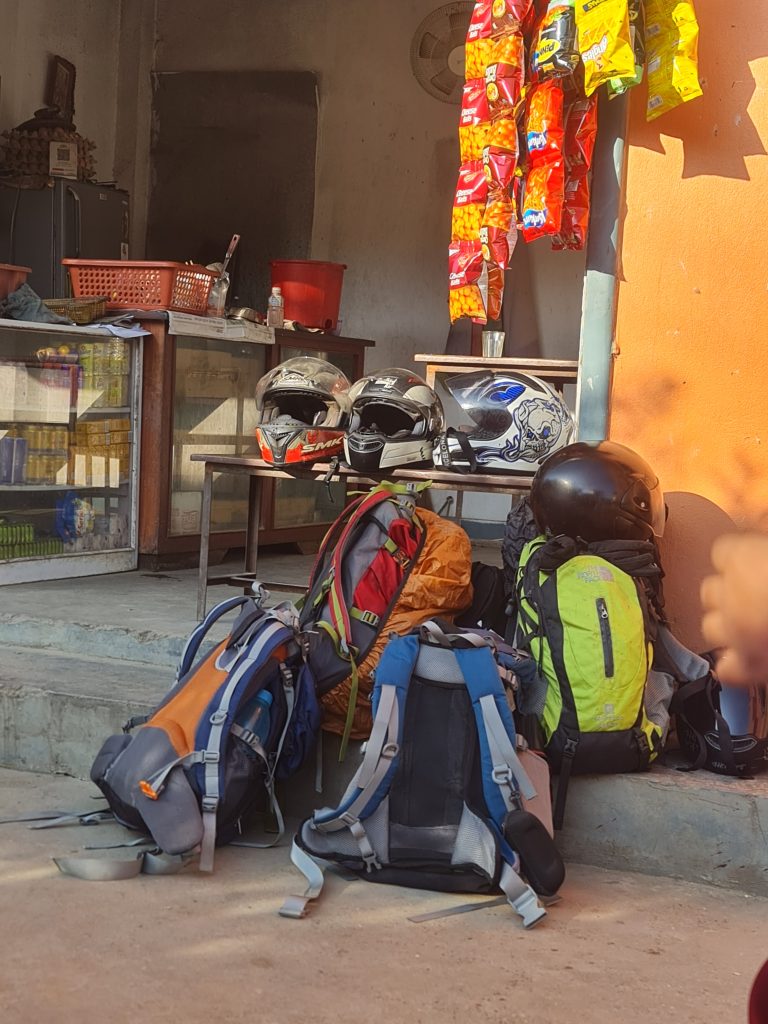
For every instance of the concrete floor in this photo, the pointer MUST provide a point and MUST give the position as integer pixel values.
(164, 602)
(618, 949)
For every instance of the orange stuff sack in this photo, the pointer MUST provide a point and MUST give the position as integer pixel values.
(439, 586)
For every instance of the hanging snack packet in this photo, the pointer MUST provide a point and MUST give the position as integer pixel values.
(503, 135)
(618, 86)
(469, 202)
(504, 76)
(580, 133)
(544, 132)
(479, 45)
(468, 281)
(508, 15)
(499, 213)
(496, 248)
(575, 222)
(499, 166)
(543, 200)
(474, 122)
(604, 42)
(672, 40)
(553, 50)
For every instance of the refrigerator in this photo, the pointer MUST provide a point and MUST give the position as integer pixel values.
(40, 227)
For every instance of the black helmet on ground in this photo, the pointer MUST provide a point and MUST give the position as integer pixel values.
(596, 491)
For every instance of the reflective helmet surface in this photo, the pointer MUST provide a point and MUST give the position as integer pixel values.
(598, 490)
(302, 411)
(395, 420)
(515, 422)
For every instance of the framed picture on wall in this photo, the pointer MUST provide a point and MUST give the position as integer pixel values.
(60, 91)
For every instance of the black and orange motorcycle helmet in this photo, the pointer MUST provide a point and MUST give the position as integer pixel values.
(302, 412)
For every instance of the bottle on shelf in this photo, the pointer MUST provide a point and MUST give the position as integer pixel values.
(275, 308)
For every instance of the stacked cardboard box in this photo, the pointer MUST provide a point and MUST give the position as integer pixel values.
(100, 453)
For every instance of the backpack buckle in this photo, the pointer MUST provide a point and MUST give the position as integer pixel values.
(218, 718)
(210, 804)
(390, 751)
(502, 775)
(570, 748)
(211, 757)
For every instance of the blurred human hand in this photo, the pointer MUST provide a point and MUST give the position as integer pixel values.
(735, 603)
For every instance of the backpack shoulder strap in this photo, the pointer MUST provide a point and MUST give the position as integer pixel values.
(372, 780)
(200, 632)
(504, 777)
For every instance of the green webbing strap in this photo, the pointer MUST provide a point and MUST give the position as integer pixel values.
(368, 618)
(354, 681)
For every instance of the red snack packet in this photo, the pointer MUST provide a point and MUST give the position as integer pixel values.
(575, 223)
(479, 45)
(544, 128)
(499, 212)
(504, 76)
(508, 15)
(468, 281)
(469, 202)
(542, 212)
(581, 132)
(499, 166)
(474, 121)
(495, 294)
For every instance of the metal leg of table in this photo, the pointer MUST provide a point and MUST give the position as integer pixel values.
(459, 506)
(254, 521)
(205, 536)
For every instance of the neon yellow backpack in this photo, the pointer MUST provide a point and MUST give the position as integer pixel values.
(587, 623)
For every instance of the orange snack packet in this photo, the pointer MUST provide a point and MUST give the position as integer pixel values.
(468, 282)
(479, 45)
(544, 128)
(504, 76)
(469, 202)
(543, 200)
(474, 121)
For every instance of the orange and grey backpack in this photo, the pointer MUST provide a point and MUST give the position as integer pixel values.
(385, 566)
(237, 720)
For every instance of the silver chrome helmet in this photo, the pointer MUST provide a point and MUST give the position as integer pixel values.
(395, 420)
(302, 410)
(517, 421)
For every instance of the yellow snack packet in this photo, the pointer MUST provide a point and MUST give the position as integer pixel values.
(604, 41)
(672, 43)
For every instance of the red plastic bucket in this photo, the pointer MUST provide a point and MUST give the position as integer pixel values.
(311, 291)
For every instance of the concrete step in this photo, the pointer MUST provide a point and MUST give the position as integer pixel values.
(56, 709)
(60, 636)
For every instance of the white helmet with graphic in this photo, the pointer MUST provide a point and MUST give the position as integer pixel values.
(516, 422)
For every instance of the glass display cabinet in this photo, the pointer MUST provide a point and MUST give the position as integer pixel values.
(68, 453)
(198, 396)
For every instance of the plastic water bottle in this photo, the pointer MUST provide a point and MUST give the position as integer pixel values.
(256, 717)
(275, 308)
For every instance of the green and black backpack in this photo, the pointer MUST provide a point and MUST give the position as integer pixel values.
(584, 614)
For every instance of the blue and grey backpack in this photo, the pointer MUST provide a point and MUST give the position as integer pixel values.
(438, 800)
(198, 765)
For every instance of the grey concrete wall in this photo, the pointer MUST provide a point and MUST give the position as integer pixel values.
(387, 152)
(85, 32)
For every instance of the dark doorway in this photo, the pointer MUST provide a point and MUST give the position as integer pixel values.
(233, 151)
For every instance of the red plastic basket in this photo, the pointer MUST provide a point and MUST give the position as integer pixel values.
(142, 284)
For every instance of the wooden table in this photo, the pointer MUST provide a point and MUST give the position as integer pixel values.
(556, 372)
(258, 471)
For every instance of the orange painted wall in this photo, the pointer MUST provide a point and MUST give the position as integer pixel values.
(690, 386)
